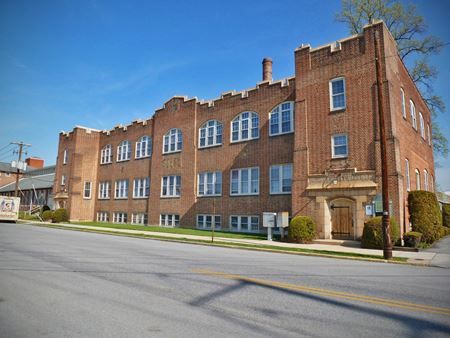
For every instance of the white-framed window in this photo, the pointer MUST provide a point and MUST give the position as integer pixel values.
(245, 127)
(207, 221)
(143, 147)
(431, 183)
(425, 180)
(170, 186)
(281, 179)
(139, 218)
(417, 179)
(120, 217)
(172, 141)
(65, 157)
(244, 223)
(169, 220)
(245, 181)
(104, 190)
(102, 216)
(121, 189)
(408, 178)
(210, 134)
(339, 146)
(429, 134)
(141, 187)
(422, 125)
(87, 190)
(337, 94)
(124, 151)
(106, 154)
(210, 184)
(402, 96)
(282, 119)
(412, 109)
(63, 179)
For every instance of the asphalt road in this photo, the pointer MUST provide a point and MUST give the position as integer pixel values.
(61, 283)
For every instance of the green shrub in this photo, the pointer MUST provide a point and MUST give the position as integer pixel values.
(302, 229)
(47, 215)
(425, 215)
(372, 237)
(412, 239)
(60, 215)
(446, 215)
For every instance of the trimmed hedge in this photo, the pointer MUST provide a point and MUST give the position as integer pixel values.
(412, 239)
(60, 215)
(302, 229)
(425, 215)
(372, 237)
(446, 215)
(47, 215)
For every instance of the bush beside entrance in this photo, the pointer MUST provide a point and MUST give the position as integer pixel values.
(302, 229)
(372, 237)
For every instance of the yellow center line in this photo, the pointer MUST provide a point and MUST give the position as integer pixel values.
(330, 293)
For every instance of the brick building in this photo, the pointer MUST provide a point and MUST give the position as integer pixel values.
(307, 145)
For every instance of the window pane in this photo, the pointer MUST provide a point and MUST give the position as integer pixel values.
(244, 181)
(244, 223)
(234, 223)
(275, 179)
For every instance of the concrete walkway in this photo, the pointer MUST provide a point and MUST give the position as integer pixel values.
(441, 249)
(439, 255)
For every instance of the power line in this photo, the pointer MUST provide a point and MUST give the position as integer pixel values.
(8, 145)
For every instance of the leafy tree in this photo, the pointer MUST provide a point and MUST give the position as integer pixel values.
(408, 29)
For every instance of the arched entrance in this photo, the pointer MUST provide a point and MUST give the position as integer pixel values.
(342, 212)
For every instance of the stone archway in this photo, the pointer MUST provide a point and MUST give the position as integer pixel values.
(342, 212)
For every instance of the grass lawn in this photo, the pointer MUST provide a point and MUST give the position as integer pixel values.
(197, 232)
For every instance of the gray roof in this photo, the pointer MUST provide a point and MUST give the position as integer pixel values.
(6, 168)
(29, 182)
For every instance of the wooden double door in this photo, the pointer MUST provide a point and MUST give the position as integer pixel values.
(342, 219)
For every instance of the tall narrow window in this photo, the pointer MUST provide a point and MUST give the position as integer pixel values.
(281, 179)
(173, 141)
(124, 151)
(408, 178)
(422, 126)
(282, 119)
(337, 94)
(412, 108)
(106, 154)
(417, 179)
(87, 190)
(339, 146)
(121, 189)
(104, 190)
(402, 96)
(65, 157)
(245, 126)
(425, 180)
(429, 134)
(63, 180)
(144, 147)
(210, 134)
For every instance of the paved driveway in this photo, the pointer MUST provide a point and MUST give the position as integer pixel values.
(442, 250)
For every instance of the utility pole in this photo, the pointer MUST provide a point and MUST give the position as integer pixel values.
(20, 152)
(387, 245)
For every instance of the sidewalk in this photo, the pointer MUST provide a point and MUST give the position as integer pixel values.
(427, 257)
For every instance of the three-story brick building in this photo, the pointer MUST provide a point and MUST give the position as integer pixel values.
(307, 145)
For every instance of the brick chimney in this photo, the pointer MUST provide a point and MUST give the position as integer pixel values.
(35, 162)
(267, 69)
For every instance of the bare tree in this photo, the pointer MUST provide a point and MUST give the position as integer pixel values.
(408, 29)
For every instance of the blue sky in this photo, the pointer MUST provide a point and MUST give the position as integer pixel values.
(101, 63)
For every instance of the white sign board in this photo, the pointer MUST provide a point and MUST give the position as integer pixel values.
(283, 219)
(9, 208)
(269, 219)
(369, 210)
